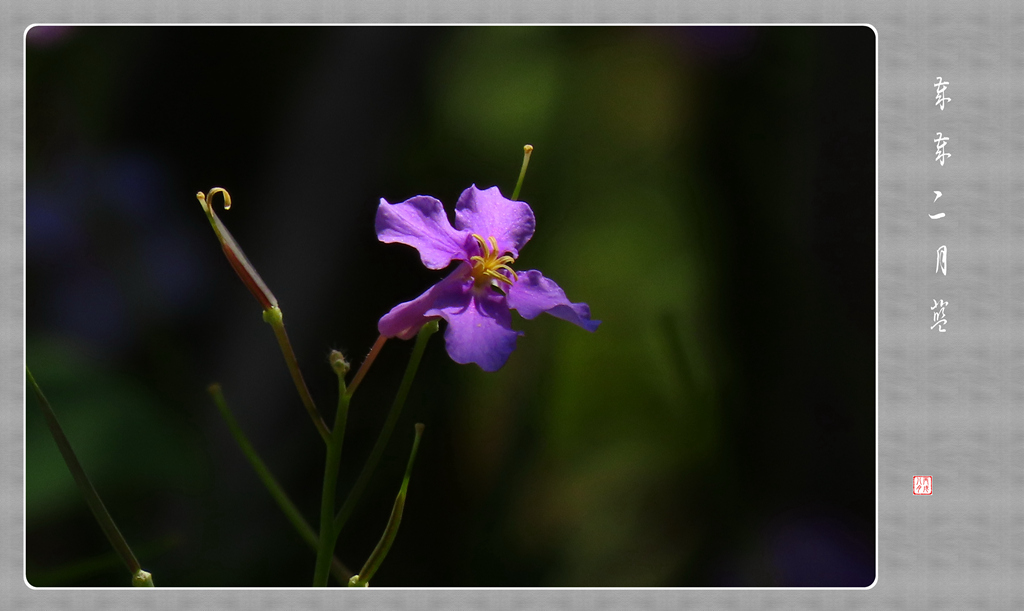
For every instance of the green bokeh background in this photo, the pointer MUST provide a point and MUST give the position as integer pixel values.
(710, 192)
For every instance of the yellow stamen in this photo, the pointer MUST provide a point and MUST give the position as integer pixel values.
(489, 267)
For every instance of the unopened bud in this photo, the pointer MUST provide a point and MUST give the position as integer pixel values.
(338, 363)
(233, 251)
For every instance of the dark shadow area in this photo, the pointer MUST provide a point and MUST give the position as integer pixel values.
(709, 192)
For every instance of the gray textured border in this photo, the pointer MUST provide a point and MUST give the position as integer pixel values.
(949, 404)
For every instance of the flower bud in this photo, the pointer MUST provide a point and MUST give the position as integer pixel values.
(239, 262)
(338, 363)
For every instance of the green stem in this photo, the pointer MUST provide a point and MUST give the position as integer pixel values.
(92, 498)
(275, 318)
(340, 571)
(87, 568)
(527, 151)
(328, 533)
(385, 434)
(391, 530)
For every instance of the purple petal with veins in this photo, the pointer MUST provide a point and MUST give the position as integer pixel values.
(533, 294)
(405, 319)
(421, 222)
(487, 213)
(479, 331)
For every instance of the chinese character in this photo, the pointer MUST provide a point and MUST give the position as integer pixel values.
(940, 259)
(939, 317)
(922, 484)
(938, 194)
(940, 149)
(940, 90)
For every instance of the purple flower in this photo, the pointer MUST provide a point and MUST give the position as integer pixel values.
(476, 298)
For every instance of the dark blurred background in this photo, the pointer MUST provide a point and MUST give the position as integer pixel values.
(708, 191)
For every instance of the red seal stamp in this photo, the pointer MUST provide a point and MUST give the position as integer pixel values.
(922, 484)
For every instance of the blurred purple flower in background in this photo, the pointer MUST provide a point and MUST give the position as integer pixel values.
(489, 231)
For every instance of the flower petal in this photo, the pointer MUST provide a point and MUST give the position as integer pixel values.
(488, 213)
(479, 331)
(421, 222)
(533, 294)
(405, 319)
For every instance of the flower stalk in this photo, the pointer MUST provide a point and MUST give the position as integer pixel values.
(389, 425)
(275, 318)
(374, 351)
(380, 552)
(329, 534)
(140, 577)
(271, 311)
(339, 570)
